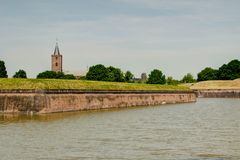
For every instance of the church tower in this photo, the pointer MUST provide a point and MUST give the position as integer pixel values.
(57, 60)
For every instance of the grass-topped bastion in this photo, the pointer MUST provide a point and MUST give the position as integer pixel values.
(46, 84)
(215, 84)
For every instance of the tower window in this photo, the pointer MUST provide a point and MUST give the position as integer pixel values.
(56, 58)
(56, 64)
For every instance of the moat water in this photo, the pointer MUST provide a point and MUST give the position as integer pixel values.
(206, 130)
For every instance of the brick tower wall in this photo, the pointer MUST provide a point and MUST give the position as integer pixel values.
(57, 63)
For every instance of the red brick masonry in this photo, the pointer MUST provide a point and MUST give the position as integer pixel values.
(50, 101)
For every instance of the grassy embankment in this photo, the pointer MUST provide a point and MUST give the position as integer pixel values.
(81, 84)
(218, 84)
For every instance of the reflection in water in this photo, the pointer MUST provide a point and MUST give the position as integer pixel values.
(206, 130)
(20, 118)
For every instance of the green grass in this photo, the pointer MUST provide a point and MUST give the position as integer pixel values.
(217, 84)
(81, 84)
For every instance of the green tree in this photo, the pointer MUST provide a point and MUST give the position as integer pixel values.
(47, 75)
(98, 73)
(51, 75)
(115, 74)
(188, 78)
(3, 71)
(207, 74)
(20, 74)
(60, 75)
(171, 81)
(128, 77)
(229, 71)
(156, 77)
(101, 73)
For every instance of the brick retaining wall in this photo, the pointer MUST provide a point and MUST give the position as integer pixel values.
(50, 101)
(218, 93)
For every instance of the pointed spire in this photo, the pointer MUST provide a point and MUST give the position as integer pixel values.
(56, 51)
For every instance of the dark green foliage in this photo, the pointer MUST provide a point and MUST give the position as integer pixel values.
(156, 77)
(69, 76)
(101, 73)
(3, 71)
(229, 71)
(47, 75)
(171, 81)
(20, 74)
(207, 74)
(128, 77)
(82, 78)
(115, 74)
(54, 75)
(98, 73)
(188, 78)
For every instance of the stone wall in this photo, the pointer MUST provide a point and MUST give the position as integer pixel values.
(29, 101)
(218, 93)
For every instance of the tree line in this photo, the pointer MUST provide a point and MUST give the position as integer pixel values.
(229, 71)
(3, 72)
(100, 72)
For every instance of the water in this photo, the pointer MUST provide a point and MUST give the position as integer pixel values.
(206, 130)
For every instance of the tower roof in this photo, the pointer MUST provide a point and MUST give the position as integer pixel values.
(56, 51)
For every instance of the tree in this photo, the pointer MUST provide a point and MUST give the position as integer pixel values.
(188, 78)
(128, 77)
(3, 71)
(60, 75)
(50, 75)
(101, 73)
(171, 81)
(229, 71)
(156, 77)
(207, 74)
(20, 74)
(115, 74)
(98, 72)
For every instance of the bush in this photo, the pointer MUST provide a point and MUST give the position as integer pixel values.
(171, 81)
(55, 75)
(69, 76)
(47, 75)
(20, 74)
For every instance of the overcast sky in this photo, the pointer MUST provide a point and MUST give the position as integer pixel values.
(175, 36)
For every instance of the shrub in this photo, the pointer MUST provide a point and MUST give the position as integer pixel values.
(20, 74)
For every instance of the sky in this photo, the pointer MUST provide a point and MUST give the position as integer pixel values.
(175, 36)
